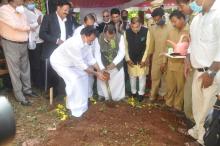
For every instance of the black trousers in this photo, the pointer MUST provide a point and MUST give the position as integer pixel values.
(52, 79)
(36, 66)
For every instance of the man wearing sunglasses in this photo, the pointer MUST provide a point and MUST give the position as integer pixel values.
(106, 20)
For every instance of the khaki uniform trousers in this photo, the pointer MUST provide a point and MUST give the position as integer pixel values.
(158, 81)
(175, 82)
(188, 96)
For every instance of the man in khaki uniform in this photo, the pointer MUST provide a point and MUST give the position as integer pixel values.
(154, 4)
(175, 79)
(149, 20)
(157, 45)
(183, 6)
(135, 56)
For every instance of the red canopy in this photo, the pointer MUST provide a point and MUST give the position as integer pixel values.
(97, 3)
(166, 3)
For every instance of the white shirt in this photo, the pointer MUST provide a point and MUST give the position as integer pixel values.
(62, 28)
(47, 7)
(204, 48)
(95, 47)
(74, 53)
(78, 30)
(32, 18)
(121, 51)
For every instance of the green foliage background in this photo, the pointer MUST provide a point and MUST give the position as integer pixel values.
(41, 4)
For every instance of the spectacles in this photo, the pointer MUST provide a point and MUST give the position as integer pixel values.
(106, 16)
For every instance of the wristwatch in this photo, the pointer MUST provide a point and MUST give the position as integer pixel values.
(211, 73)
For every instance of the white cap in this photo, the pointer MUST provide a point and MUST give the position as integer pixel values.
(156, 4)
(76, 10)
(148, 16)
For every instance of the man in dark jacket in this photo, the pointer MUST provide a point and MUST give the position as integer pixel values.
(51, 6)
(55, 29)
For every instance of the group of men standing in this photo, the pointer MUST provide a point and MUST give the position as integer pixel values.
(90, 56)
(194, 81)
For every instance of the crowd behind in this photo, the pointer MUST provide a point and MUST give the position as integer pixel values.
(180, 54)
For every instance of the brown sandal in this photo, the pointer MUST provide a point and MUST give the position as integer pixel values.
(194, 143)
(183, 131)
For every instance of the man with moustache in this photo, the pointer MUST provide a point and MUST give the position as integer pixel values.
(54, 30)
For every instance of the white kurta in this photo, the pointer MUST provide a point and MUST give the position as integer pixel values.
(96, 54)
(117, 81)
(32, 18)
(70, 60)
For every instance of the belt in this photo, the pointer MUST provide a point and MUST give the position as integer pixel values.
(15, 41)
(202, 69)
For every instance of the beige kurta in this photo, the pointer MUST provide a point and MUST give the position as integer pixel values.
(136, 70)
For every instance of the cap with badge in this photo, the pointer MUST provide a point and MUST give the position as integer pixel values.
(156, 4)
(74, 10)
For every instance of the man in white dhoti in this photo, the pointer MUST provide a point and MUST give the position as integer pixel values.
(205, 58)
(112, 50)
(89, 20)
(73, 61)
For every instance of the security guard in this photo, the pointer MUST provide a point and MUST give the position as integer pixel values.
(154, 4)
(157, 46)
(175, 79)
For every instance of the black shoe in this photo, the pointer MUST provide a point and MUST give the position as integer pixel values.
(101, 99)
(25, 103)
(140, 98)
(133, 95)
(32, 94)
